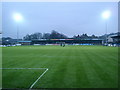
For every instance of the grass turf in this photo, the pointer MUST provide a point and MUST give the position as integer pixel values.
(69, 67)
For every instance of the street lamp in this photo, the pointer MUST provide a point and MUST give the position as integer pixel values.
(106, 15)
(18, 18)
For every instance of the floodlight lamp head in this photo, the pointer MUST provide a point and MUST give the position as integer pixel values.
(106, 14)
(18, 17)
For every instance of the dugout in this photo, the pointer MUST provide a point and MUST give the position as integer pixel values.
(67, 41)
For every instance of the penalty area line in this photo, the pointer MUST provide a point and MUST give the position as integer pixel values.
(38, 79)
(31, 68)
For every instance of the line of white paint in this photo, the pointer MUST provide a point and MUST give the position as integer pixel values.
(31, 68)
(38, 79)
(23, 68)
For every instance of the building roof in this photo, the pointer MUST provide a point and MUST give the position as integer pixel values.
(115, 37)
(24, 41)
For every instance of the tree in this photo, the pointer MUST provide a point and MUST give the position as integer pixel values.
(93, 36)
(46, 36)
(55, 35)
(33, 36)
(84, 36)
(27, 37)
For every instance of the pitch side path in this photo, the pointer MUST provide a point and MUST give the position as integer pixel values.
(69, 67)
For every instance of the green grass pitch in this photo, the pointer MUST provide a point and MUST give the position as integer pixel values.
(69, 67)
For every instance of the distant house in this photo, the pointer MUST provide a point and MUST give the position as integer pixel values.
(114, 39)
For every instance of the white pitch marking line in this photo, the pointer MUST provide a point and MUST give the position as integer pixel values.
(38, 79)
(31, 68)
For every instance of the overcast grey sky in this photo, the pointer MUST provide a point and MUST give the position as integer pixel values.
(69, 18)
